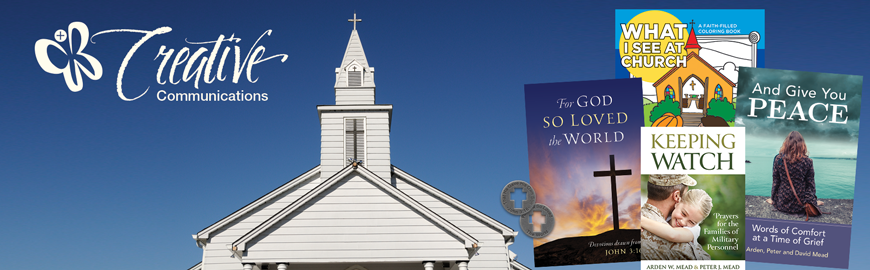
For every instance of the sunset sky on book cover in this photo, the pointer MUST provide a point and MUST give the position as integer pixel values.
(573, 129)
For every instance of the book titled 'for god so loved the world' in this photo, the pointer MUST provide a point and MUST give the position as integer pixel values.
(584, 164)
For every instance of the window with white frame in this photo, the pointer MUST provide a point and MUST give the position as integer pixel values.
(354, 139)
(354, 75)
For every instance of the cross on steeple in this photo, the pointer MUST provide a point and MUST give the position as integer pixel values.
(613, 173)
(354, 20)
(692, 23)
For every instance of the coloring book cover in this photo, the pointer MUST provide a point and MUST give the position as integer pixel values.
(584, 164)
(688, 60)
(803, 129)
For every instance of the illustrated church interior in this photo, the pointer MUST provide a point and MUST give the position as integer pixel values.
(695, 84)
(356, 211)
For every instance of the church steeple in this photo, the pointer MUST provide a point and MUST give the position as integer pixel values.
(354, 78)
(355, 129)
(692, 43)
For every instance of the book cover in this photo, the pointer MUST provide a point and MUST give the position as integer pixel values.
(584, 164)
(693, 180)
(688, 60)
(803, 129)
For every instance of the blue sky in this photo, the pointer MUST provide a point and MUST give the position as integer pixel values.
(92, 182)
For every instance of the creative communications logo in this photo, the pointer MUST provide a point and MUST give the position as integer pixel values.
(196, 64)
(60, 35)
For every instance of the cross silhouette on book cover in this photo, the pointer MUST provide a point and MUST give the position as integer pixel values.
(613, 173)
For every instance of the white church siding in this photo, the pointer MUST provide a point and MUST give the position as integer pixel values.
(476, 228)
(216, 256)
(353, 96)
(490, 257)
(331, 144)
(377, 138)
(493, 250)
(378, 141)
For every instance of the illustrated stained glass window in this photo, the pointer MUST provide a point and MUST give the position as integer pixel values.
(718, 93)
(669, 92)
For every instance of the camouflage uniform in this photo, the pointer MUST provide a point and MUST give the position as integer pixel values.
(653, 247)
(700, 254)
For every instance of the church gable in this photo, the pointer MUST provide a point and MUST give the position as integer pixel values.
(355, 216)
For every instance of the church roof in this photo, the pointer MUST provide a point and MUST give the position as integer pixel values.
(469, 241)
(690, 56)
(205, 233)
(515, 265)
(354, 51)
(507, 232)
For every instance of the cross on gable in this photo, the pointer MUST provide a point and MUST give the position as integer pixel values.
(613, 173)
(515, 197)
(354, 20)
(537, 220)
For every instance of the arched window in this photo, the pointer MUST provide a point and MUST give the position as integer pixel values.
(669, 92)
(718, 92)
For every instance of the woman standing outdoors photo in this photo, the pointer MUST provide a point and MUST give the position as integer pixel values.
(800, 169)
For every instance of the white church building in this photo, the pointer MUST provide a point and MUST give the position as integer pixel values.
(356, 211)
